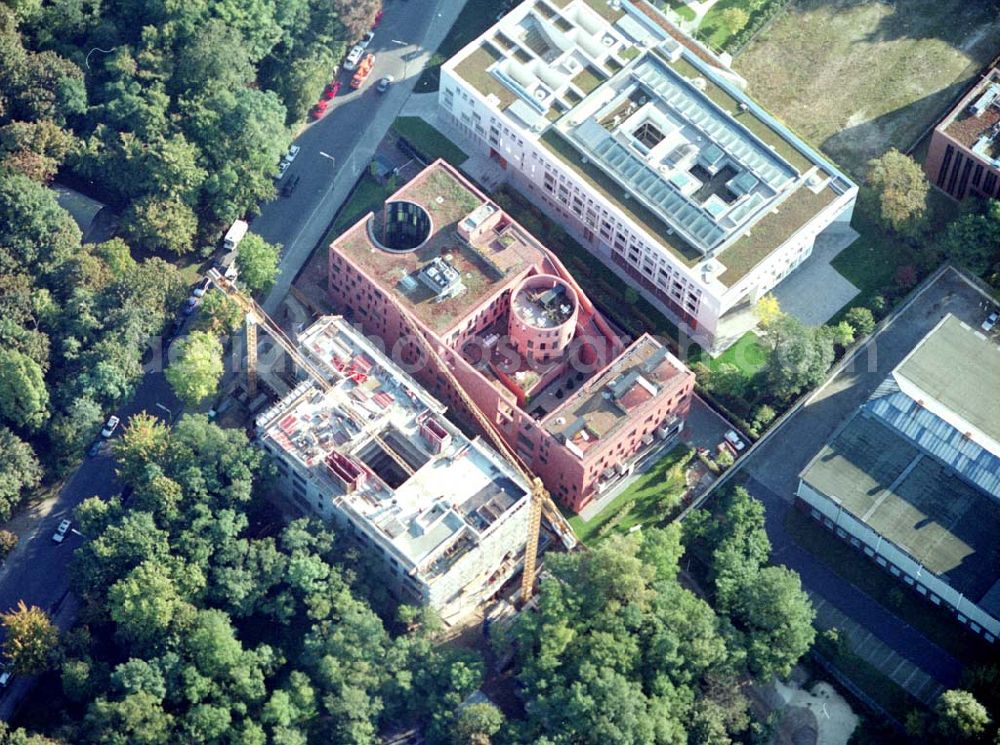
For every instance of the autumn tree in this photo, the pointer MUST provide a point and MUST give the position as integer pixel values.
(31, 638)
(194, 374)
(257, 261)
(767, 310)
(8, 542)
(901, 187)
(959, 717)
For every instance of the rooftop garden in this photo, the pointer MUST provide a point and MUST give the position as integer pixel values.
(771, 231)
(474, 70)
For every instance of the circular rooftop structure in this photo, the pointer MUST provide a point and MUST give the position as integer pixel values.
(406, 226)
(543, 315)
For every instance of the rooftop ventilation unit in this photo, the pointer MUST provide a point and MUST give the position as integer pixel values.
(541, 93)
(608, 40)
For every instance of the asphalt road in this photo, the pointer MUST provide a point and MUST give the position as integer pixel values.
(778, 459)
(38, 570)
(349, 132)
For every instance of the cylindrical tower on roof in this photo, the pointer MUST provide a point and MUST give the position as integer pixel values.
(543, 315)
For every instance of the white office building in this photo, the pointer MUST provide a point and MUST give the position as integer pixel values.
(644, 147)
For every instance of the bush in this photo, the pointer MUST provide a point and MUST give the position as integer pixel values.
(8, 542)
(861, 320)
(616, 519)
(757, 21)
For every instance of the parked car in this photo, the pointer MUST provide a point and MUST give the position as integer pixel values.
(292, 152)
(60, 535)
(5, 676)
(735, 440)
(201, 289)
(384, 83)
(366, 39)
(378, 19)
(110, 427)
(282, 167)
(318, 110)
(990, 322)
(289, 187)
(331, 90)
(95, 449)
(354, 57)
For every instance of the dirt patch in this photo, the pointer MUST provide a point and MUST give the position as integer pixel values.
(856, 77)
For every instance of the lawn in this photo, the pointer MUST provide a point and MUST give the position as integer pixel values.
(747, 354)
(646, 491)
(856, 77)
(475, 18)
(871, 262)
(935, 623)
(428, 141)
(368, 196)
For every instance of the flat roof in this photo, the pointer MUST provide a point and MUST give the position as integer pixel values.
(429, 511)
(913, 501)
(652, 125)
(958, 367)
(975, 121)
(484, 265)
(598, 407)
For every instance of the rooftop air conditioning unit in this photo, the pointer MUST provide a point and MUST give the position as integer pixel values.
(608, 40)
(572, 65)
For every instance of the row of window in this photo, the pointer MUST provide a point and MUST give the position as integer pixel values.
(897, 572)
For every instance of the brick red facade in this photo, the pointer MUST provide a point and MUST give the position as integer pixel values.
(572, 475)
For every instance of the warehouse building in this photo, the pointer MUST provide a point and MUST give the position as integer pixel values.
(577, 402)
(645, 149)
(913, 478)
(375, 456)
(964, 155)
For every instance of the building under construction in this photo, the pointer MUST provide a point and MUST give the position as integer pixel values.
(374, 454)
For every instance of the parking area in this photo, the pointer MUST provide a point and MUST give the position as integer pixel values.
(875, 632)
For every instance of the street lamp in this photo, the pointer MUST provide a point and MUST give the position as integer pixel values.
(328, 157)
(406, 60)
(170, 415)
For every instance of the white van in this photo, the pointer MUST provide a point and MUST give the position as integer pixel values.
(235, 234)
(354, 57)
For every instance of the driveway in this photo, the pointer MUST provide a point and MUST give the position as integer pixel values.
(773, 466)
(38, 570)
(350, 132)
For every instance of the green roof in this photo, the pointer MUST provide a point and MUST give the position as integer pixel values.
(913, 501)
(956, 366)
(474, 70)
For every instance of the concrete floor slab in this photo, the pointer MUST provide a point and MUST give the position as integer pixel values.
(815, 291)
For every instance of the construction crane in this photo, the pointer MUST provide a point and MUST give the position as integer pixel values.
(540, 500)
(255, 315)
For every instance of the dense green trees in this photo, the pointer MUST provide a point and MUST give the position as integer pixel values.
(202, 633)
(257, 261)
(73, 322)
(620, 652)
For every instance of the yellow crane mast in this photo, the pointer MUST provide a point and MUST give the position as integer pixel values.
(540, 501)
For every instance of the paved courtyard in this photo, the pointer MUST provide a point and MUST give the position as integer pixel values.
(815, 291)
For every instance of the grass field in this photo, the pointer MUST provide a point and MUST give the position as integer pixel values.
(425, 138)
(747, 354)
(646, 491)
(856, 77)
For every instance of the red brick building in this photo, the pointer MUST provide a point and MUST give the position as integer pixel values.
(964, 155)
(576, 402)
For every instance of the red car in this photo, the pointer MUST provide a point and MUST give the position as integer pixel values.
(378, 19)
(331, 90)
(318, 110)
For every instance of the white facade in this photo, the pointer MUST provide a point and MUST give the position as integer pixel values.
(448, 530)
(691, 292)
(897, 562)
